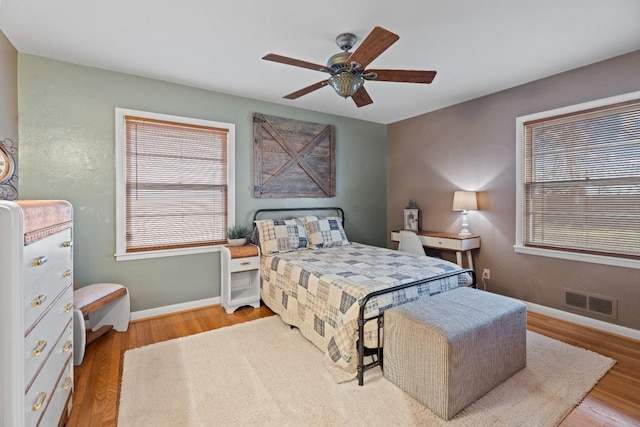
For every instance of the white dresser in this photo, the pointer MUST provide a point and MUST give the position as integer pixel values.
(36, 312)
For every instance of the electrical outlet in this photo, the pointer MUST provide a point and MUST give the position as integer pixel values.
(486, 273)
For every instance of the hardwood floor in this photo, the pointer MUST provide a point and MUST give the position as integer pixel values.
(614, 401)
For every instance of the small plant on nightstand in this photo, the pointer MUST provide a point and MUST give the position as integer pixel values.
(237, 235)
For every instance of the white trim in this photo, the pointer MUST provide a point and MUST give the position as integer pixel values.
(174, 308)
(584, 321)
(519, 245)
(579, 107)
(121, 192)
(167, 252)
(576, 256)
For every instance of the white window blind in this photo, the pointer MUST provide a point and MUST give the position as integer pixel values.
(582, 181)
(176, 181)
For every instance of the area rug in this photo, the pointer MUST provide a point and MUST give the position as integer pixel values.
(265, 373)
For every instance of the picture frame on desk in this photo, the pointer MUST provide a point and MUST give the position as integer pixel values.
(411, 219)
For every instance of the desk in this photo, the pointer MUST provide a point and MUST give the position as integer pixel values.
(447, 242)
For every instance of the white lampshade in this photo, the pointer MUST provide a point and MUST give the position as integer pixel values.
(464, 201)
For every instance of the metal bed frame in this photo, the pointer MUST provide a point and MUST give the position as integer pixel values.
(339, 211)
(377, 353)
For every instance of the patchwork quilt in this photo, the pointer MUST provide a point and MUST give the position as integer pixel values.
(319, 291)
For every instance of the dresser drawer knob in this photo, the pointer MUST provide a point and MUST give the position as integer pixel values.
(41, 260)
(67, 346)
(41, 397)
(67, 384)
(67, 244)
(42, 344)
(67, 273)
(39, 300)
(68, 307)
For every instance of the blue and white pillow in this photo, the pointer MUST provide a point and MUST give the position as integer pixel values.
(324, 232)
(281, 235)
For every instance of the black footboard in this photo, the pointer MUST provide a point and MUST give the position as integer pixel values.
(362, 352)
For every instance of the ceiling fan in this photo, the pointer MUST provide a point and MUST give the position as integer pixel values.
(347, 70)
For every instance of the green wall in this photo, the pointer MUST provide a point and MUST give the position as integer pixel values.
(66, 131)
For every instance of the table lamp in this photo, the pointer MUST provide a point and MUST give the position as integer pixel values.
(464, 201)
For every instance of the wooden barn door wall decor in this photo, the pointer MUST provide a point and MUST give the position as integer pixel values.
(292, 158)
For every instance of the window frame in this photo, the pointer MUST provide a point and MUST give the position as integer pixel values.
(520, 246)
(121, 192)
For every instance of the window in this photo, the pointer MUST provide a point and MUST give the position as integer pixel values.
(579, 182)
(174, 184)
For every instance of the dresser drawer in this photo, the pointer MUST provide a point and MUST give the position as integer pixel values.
(244, 264)
(59, 398)
(42, 256)
(47, 271)
(41, 340)
(441, 242)
(39, 394)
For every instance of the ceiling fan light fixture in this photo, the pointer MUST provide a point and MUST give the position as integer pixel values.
(345, 83)
(348, 70)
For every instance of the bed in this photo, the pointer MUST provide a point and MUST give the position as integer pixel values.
(335, 291)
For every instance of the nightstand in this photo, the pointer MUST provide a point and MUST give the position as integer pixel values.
(447, 242)
(239, 277)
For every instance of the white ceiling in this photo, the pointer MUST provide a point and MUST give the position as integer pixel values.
(477, 47)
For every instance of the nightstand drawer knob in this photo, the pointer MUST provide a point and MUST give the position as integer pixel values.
(67, 273)
(67, 244)
(67, 384)
(245, 263)
(68, 307)
(67, 346)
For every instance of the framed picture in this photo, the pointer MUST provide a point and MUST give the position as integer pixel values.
(411, 219)
(293, 158)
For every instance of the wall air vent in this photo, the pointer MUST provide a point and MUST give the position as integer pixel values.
(574, 299)
(591, 303)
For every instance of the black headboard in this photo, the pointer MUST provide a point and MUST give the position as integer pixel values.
(274, 212)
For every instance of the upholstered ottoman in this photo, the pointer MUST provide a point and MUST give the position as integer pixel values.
(448, 350)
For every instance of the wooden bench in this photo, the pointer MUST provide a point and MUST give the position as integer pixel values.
(96, 309)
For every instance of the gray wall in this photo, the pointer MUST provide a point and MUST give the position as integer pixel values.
(66, 125)
(471, 146)
(8, 91)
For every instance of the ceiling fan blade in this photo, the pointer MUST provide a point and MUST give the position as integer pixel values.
(296, 62)
(361, 97)
(372, 46)
(405, 76)
(306, 90)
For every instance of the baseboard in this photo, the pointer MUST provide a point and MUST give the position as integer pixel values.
(174, 308)
(584, 321)
(536, 308)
